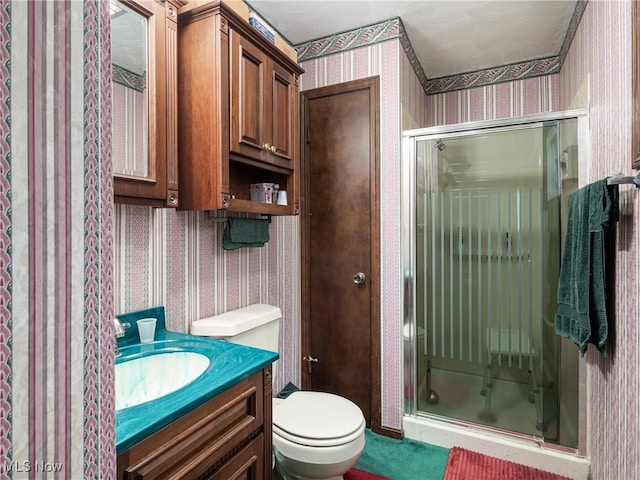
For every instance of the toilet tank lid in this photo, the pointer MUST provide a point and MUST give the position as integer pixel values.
(237, 321)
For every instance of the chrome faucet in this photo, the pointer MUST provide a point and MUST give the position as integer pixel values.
(119, 332)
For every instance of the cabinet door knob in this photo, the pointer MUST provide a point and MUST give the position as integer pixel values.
(273, 149)
(359, 278)
(266, 146)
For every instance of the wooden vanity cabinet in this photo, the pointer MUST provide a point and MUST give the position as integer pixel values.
(227, 437)
(238, 113)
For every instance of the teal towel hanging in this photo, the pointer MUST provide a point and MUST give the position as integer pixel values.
(245, 232)
(582, 312)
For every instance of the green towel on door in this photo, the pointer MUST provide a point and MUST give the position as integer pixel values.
(245, 232)
(582, 312)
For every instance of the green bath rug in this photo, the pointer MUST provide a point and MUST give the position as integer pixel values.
(404, 459)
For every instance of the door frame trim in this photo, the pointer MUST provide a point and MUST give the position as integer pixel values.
(373, 85)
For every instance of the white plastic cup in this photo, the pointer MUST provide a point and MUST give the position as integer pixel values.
(282, 197)
(147, 329)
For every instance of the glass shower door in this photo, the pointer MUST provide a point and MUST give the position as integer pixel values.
(487, 248)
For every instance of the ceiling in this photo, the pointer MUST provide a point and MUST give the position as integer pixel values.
(449, 37)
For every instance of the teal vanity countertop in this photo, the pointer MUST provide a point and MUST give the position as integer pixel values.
(229, 364)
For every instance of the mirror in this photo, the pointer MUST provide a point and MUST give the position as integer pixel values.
(145, 102)
(130, 91)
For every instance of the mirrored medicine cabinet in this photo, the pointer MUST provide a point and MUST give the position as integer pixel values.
(635, 65)
(144, 101)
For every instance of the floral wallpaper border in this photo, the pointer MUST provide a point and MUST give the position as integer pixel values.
(394, 29)
(128, 78)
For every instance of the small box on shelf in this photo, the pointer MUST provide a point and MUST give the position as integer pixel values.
(262, 192)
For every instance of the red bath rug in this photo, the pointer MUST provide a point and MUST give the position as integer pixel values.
(355, 474)
(467, 465)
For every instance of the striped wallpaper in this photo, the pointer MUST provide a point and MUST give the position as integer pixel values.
(503, 100)
(63, 244)
(56, 368)
(175, 258)
(601, 58)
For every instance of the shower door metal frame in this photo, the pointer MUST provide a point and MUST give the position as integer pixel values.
(408, 222)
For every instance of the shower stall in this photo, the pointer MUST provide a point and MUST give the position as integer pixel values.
(484, 207)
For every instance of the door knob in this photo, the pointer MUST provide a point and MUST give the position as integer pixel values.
(359, 278)
(310, 360)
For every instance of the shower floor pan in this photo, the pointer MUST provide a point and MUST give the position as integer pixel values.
(461, 399)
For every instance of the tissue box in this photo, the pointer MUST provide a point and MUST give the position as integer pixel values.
(262, 26)
(261, 192)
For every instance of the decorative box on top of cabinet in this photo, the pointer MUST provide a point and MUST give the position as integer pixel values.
(145, 105)
(238, 113)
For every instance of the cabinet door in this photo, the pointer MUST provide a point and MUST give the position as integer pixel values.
(283, 113)
(248, 100)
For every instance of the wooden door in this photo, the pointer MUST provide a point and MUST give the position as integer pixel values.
(340, 240)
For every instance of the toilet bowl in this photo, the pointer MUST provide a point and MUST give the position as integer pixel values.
(316, 435)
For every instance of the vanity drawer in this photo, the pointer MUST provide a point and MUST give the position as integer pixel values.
(203, 441)
(246, 464)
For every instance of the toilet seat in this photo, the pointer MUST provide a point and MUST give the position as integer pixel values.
(317, 419)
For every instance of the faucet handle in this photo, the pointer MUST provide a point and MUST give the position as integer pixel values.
(120, 326)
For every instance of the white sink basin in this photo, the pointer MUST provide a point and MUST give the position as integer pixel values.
(146, 378)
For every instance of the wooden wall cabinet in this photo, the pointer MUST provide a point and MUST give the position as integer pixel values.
(158, 185)
(238, 113)
(263, 105)
(227, 437)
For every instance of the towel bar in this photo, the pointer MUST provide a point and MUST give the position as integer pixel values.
(620, 180)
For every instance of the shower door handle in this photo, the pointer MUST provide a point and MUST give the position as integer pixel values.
(359, 278)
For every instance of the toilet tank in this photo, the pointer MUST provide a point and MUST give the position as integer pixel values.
(257, 326)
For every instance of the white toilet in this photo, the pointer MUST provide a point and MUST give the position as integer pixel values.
(316, 435)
